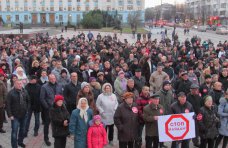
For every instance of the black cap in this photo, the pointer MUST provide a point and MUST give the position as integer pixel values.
(154, 96)
(32, 77)
(138, 70)
(194, 86)
(207, 76)
(181, 94)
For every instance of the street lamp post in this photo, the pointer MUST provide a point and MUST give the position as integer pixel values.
(161, 10)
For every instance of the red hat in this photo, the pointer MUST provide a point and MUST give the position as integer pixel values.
(58, 97)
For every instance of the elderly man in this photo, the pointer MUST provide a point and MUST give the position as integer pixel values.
(57, 70)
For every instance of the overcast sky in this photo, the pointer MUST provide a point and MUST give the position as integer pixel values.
(152, 3)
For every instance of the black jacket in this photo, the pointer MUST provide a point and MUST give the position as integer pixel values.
(70, 93)
(126, 122)
(177, 108)
(182, 86)
(34, 94)
(196, 101)
(17, 103)
(208, 124)
(57, 116)
(216, 95)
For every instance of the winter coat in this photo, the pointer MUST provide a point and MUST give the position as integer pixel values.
(139, 83)
(204, 90)
(156, 80)
(223, 113)
(70, 92)
(63, 81)
(134, 91)
(106, 105)
(126, 121)
(177, 108)
(57, 72)
(78, 127)
(166, 99)
(119, 89)
(57, 116)
(193, 78)
(224, 81)
(141, 102)
(96, 89)
(96, 136)
(17, 103)
(47, 94)
(208, 123)
(182, 86)
(149, 111)
(34, 94)
(196, 101)
(3, 93)
(216, 95)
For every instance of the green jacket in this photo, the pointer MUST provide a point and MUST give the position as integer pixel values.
(149, 111)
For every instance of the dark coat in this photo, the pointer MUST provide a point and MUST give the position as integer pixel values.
(17, 103)
(126, 122)
(182, 86)
(166, 99)
(3, 92)
(204, 90)
(196, 101)
(149, 112)
(58, 115)
(177, 108)
(139, 83)
(34, 94)
(70, 93)
(47, 94)
(216, 95)
(208, 124)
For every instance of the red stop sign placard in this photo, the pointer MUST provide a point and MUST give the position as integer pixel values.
(177, 127)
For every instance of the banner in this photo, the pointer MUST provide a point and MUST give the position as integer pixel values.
(176, 127)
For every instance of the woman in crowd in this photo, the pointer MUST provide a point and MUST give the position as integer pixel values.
(10, 82)
(208, 123)
(126, 121)
(79, 123)
(21, 75)
(120, 85)
(59, 122)
(223, 113)
(106, 105)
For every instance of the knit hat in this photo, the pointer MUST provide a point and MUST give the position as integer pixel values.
(99, 74)
(207, 98)
(120, 72)
(207, 76)
(165, 83)
(84, 84)
(96, 117)
(92, 79)
(128, 95)
(58, 97)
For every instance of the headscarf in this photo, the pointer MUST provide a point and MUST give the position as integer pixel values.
(83, 112)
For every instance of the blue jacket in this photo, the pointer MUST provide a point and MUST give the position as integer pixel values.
(78, 127)
(223, 113)
(47, 94)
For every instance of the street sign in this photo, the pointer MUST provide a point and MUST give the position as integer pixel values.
(176, 127)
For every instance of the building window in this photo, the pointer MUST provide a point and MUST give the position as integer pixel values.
(17, 18)
(78, 0)
(61, 8)
(26, 18)
(16, 8)
(121, 8)
(222, 12)
(34, 8)
(26, 1)
(95, 8)
(78, 8)
(108, 8)
(69, 0)
(52, 9)
(108, 0)
(8, 8)
(130, 2)
(8, 18)
(43, 8)
(87, 8)
(26, 8)
(129, 7)
(223, 5)
(87, 1)
(69, 8)
(60, 18)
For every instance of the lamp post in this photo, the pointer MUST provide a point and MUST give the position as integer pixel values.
(161, 10)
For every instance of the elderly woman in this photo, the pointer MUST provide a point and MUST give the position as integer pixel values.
(120, 85)
(87, 93)
(106, 105)
(21, 75)
(79, 123)
(223, 130)
(126, 121)
(208, 123)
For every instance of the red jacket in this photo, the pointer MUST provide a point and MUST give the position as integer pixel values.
(96, 136)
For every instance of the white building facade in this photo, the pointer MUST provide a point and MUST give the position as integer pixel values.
(54, 12)
(209, 8)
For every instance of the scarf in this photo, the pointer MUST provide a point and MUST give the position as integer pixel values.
(83, 112)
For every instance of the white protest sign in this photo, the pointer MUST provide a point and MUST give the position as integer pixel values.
(176, 127)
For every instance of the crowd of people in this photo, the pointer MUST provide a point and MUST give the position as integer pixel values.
(85, 86)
